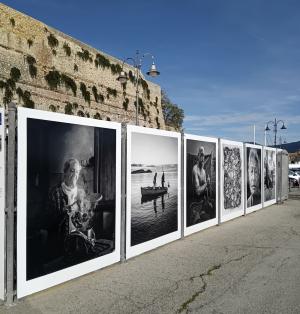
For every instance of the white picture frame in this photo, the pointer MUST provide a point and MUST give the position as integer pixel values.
(211, 222)
(137, 249)
(251, 209)
(273, 200)
(24, 286)
(225, 215)
(2, 201)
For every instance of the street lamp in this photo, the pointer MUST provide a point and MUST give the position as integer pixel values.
(274, 124)
(137, 63)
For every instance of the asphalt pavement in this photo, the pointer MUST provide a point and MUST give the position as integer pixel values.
(247, 265)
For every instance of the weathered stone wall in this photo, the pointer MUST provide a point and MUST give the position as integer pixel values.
(59, 73)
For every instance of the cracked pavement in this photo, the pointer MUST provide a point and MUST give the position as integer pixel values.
(247, 265)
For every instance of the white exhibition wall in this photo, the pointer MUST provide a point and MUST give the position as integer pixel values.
(69, 192)
(153, 189)
(231, 180)
(69, 219)
(2, 201)
(200, 183)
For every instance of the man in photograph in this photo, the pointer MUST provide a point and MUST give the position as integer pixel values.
(201, 209)
(200, 182)
(65, 201)
(254, 178)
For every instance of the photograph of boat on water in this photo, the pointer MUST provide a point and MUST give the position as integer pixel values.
(201, 181)
(68, 197)
(153, 175)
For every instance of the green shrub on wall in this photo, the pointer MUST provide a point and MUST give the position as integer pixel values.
(31, 66)
(102, 61)
(85, 93)
(53, 79)
(52, 41)
(67, 49)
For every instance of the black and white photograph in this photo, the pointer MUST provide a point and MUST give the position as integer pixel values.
(232, 196)
(201, 181)
(154, 177)
(253, 169)
(70, 195)
(269, 175)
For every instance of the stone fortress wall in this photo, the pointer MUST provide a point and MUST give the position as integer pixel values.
(45, 69)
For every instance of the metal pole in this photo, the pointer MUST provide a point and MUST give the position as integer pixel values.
(137, 98)
(137, 76)
(10, 201)
(123, 193)
(265, 136)
(275, 131)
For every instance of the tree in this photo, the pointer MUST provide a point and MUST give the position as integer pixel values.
(172, 113)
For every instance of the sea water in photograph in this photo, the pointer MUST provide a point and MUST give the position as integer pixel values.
(154, 187)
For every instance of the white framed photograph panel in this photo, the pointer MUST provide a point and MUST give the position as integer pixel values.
(269, 178)
(253, 177)
(201, 181)
(2, 201)
(69, 193)
(231, 180)
(153, 216)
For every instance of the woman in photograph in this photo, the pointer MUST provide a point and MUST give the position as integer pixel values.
(253, 178)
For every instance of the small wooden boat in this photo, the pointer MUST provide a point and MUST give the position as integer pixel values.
(150, 191)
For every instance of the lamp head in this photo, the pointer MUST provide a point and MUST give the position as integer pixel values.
(283, 127)
(122, 78)
(267, 128)
(153, 71)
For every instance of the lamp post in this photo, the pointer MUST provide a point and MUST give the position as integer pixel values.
(275, 125)
(137, 63)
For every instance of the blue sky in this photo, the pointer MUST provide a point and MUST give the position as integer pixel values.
(229, 64)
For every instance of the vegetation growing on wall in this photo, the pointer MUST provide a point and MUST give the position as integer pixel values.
(98, 96)
(157, 123)
(101, 61)
(69, 83)
(80, 113)
(31, 66)
(111, 91)
(25, 96)
(126, 103)
(172, 113)
(12, 22)
(15, 74)
(67, 49)
(9, 87)
(52, 108)
(115, 68)
(29, 43)
(53, 79)
(97, 116)
(52, 41)
(84, 55)
(131, 77)
(85, 93)
(69, 108)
